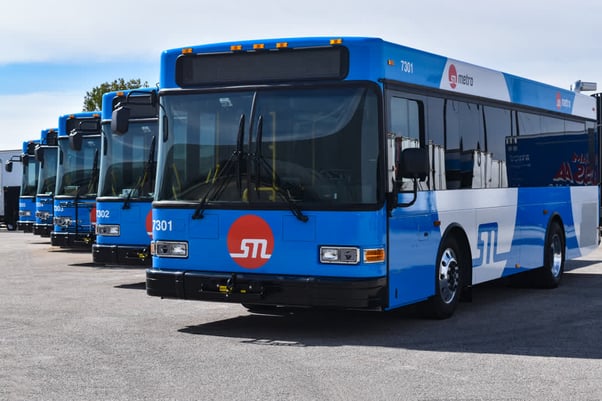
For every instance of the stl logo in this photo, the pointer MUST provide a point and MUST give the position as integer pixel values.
(149, 223)
(452, 75)
(250, 242)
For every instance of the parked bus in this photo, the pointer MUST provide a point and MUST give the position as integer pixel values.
(127, 178)
(27, 193)
(46, 154)
(76, 180)
(358, 173)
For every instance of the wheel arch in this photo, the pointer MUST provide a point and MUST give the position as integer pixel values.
(556, 218)
(456, 231)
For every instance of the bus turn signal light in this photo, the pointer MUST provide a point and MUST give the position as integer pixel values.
(374, 255)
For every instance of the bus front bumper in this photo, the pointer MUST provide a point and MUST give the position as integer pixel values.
(43, 230)
(121, 255)
(25, 226)
(69, 240)
(258, 289)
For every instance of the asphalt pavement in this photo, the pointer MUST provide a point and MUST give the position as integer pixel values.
(72, 330)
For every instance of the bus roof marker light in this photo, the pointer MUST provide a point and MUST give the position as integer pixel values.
(391, 62)
(337, 41)
(258, 46)
(236, 48)
(281, 45)
(187, 50)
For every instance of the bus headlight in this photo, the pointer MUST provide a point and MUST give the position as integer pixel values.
(171, 249)
(43, 215)
(109, 230)
(62, 221)
(340, 255)
(24, 213)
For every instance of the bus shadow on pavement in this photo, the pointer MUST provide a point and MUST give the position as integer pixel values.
(563, 322)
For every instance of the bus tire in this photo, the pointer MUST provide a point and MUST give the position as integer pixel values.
(450, 274)
(550, 274)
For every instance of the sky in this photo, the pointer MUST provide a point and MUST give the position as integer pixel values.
(53, 53)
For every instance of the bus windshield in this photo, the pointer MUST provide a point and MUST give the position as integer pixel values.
(79, 168)
(30, 178)
(312, 146)
(47, 180)
(128, 165)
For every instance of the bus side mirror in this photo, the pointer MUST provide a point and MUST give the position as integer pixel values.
(120, 119)
(8, 166)
(39, 154)
(410, 163)
(75, 140)
(414, 164)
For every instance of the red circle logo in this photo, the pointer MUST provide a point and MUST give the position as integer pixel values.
(149, 223)
(452, 75)
(558, 100)
(93, 215)
(250, 242)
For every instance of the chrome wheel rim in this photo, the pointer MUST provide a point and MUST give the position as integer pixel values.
(555, 255)
(449, 275)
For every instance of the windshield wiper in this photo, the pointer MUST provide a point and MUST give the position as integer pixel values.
(260, 161)
(146, 174)
(221, 183)
(93, 179)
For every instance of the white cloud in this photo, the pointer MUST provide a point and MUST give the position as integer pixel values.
(23, 117)
(545, 40)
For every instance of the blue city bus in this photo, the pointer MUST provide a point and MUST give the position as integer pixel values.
(46, 154)
(127, 178)
(76, 180)
(27, 193)
(357, 173)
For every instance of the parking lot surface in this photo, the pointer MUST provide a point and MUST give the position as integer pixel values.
(72, 330)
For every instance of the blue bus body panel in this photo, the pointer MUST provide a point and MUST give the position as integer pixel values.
(27, 209)
(44, 214)
(82, 211)
(374, 59)
(132, 222)
(506, 230)
(295, 249)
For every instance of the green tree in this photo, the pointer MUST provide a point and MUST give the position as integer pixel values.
(93, 99)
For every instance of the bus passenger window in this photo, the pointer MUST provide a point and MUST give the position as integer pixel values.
(405, 118)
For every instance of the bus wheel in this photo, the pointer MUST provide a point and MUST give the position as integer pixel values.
(449, 280)
(550, 274)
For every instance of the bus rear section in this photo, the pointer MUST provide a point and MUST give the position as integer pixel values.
(374, 177)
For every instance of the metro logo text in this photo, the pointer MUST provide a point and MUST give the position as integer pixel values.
(456, 79)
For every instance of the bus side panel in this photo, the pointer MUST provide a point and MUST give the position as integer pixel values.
(413, 242)
(585, 212)
(488, 218)
(577, 208)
